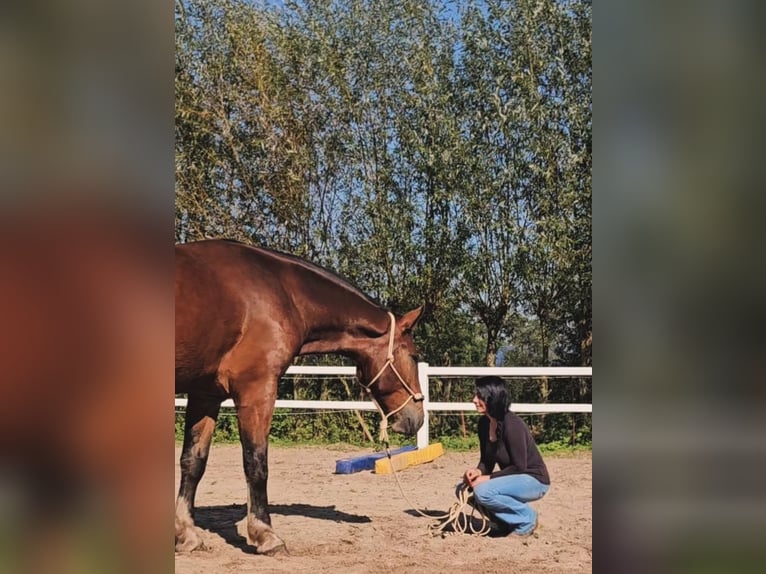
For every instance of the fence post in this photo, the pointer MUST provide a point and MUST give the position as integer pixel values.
(423, 380)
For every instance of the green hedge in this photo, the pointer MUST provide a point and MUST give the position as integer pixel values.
(295, 426)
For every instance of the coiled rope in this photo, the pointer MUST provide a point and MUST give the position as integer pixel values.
(456, 520)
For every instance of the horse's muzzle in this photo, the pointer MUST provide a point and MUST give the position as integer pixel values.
(409, 419)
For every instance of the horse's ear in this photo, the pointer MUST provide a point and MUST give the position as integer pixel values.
(410, 319)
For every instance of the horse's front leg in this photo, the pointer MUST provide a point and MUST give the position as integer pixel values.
(254, 411)
(201, 414)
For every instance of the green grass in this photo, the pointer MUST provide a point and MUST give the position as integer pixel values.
(456, 444)
(471, 444)
(226, 433)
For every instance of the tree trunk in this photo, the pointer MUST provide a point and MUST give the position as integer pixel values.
(491, 349)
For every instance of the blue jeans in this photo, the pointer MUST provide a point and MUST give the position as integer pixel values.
(506, 497)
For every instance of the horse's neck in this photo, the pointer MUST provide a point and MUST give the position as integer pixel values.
(344, 332)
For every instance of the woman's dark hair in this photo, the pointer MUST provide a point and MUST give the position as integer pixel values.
(493, 392)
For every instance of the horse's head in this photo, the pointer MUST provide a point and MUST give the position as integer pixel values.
(388, 369)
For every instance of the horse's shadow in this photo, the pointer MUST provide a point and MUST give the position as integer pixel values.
(222, 520)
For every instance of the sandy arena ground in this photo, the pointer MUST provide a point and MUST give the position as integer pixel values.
(361, 523)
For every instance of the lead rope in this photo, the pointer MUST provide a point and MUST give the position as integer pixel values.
(456, 517)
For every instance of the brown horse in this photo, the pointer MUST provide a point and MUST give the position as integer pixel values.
(242, 314)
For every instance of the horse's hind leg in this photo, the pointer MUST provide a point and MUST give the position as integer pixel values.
(254, 411)
(201, 414)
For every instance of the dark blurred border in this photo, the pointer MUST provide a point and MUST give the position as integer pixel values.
(86, 299)
(680, 284)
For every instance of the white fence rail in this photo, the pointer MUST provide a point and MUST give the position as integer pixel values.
(425, 373)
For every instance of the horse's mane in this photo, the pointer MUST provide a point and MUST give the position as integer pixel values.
(331, 276)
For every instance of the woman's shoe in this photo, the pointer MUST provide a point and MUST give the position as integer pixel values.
(530, 532)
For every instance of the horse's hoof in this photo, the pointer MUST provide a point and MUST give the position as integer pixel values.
(189, 542)
(278, 550)
(271, 545)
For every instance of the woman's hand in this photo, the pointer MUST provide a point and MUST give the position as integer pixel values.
(470, 475)
(479, 479)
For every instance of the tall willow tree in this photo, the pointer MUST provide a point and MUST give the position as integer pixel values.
(491, 171)
(431, 150)
(526, 88)
(550, 46)
(244, 129)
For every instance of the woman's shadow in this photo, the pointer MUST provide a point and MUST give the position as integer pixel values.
(222, 520)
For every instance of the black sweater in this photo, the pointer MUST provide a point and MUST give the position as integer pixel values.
(515, 451)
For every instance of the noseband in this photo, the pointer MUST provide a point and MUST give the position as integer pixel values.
(390, 363)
